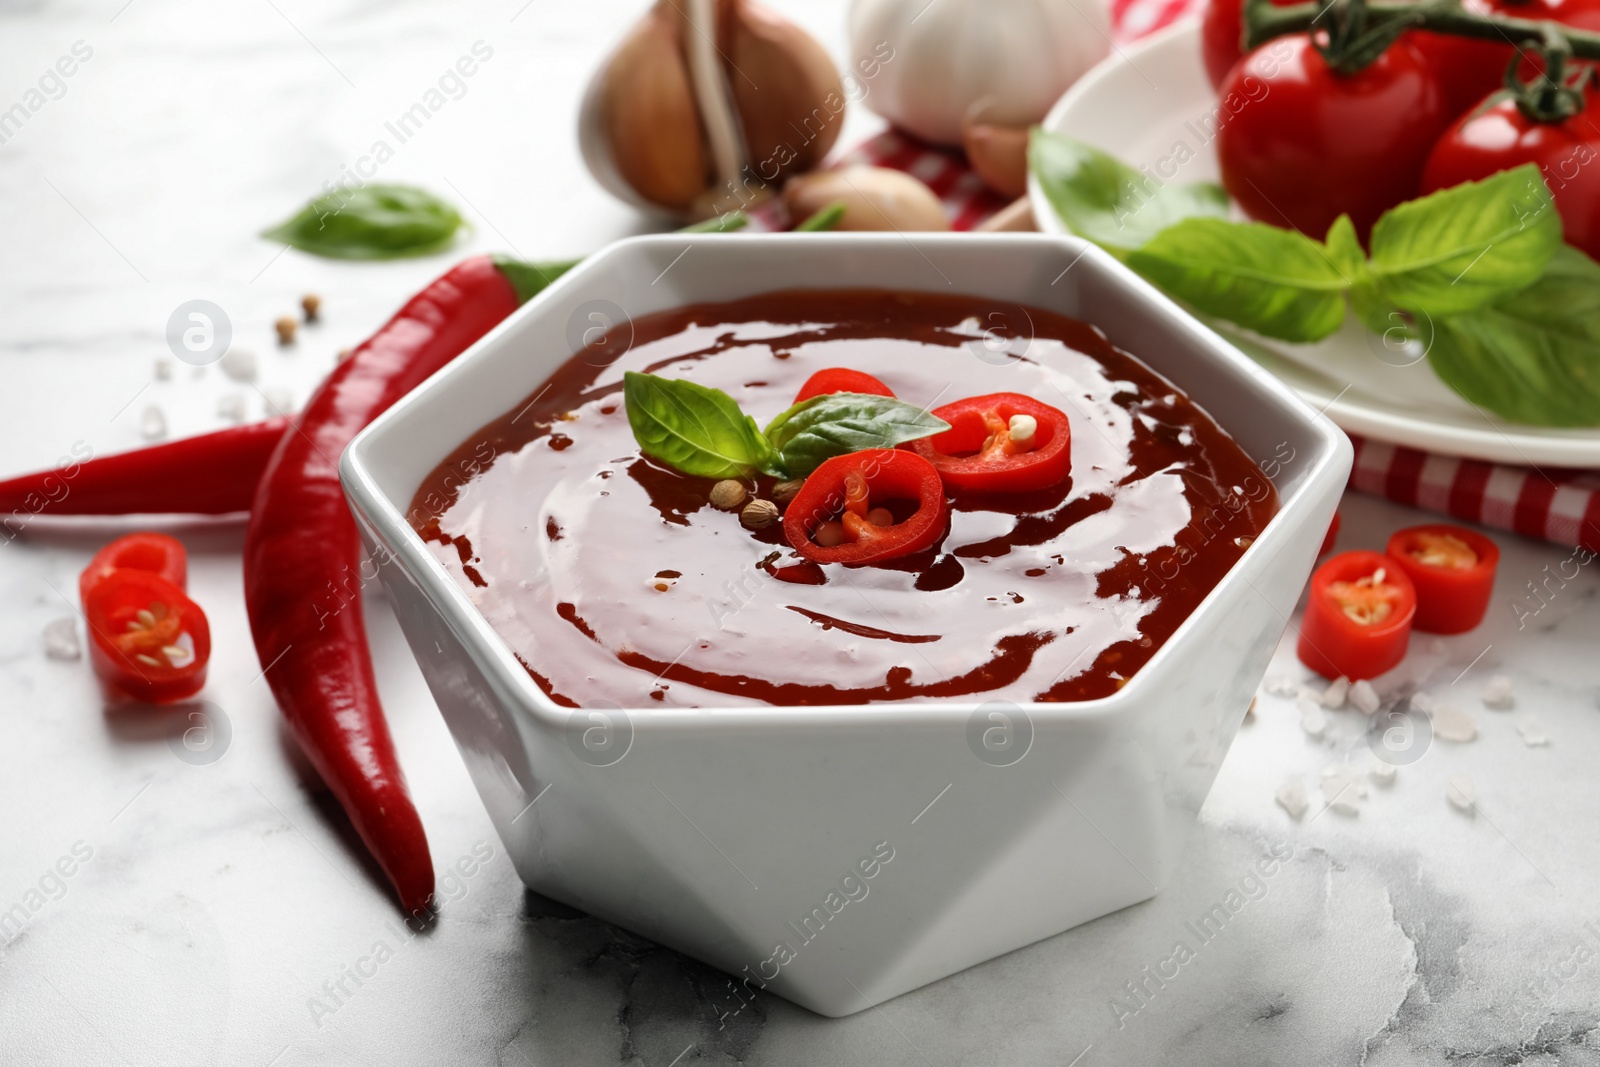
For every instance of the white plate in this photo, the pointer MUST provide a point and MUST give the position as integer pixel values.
(1151, 105)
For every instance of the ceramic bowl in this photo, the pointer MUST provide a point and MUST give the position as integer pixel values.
(839, 856)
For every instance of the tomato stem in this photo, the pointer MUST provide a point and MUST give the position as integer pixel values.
(1263, 21)
(1554, 94)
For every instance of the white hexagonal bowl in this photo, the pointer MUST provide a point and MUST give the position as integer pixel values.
(839, 856)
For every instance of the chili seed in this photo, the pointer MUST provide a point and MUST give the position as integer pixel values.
(727, 494)
(829, 535)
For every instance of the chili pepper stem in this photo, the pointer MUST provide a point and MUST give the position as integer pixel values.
(1263, 22)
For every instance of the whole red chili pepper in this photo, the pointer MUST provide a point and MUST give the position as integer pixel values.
(302, 543)
(212, 474)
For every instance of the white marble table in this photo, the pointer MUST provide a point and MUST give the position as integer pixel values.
(215, 909)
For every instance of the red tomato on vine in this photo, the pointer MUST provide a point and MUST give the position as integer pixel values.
(1315, 143)
(1222, 37)
(1502, 137)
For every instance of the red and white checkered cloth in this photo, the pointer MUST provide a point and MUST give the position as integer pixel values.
(1557, 505)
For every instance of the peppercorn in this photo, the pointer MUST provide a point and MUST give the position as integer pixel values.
(286, 326)
(728, 494)
(759, 514)
(311, 303)
(783, 492)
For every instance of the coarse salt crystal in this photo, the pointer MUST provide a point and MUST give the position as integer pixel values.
(163, 369)
(1437, 646)
(1423, 701)
(1292, 798)
(230, 406)
(239, 365)
(1461, 793)
(1364, 697)
(153, 423)
(1280, 686)
(1338, 776)
(1450, 723)
(61, 639)
(1532, 731)
(1312, 719)
(1343, 788)
(1334, 695)
(1381, 772)
(1498, 693)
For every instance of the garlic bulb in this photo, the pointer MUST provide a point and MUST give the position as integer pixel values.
(705, 103)
(1011, 59)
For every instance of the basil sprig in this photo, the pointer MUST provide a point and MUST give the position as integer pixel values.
(373, 221)
(701, 431)
(818, 429)
(1454, 251)
(1514, 314)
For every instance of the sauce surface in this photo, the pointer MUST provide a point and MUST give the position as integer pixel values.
(614, 580)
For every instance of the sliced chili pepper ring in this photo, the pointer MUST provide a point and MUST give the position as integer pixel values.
(841, 380)
(1000, 443)
(1357, 622)
(146, 637)
(1453, 571)
(837, 517)
(153, 552)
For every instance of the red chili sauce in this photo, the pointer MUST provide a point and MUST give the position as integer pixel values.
(614, 580)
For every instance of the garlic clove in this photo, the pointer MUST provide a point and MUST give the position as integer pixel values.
(786, 91)
(999, 154)
(875, 198)
(640, 130)
(1015, 217)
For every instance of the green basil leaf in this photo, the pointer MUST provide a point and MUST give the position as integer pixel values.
(375, 221)
(692, 427)
(1344, 248)
(1278, 283)
(1534, 357)
(826, 426)
(1468, 246)
(1110, 203)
